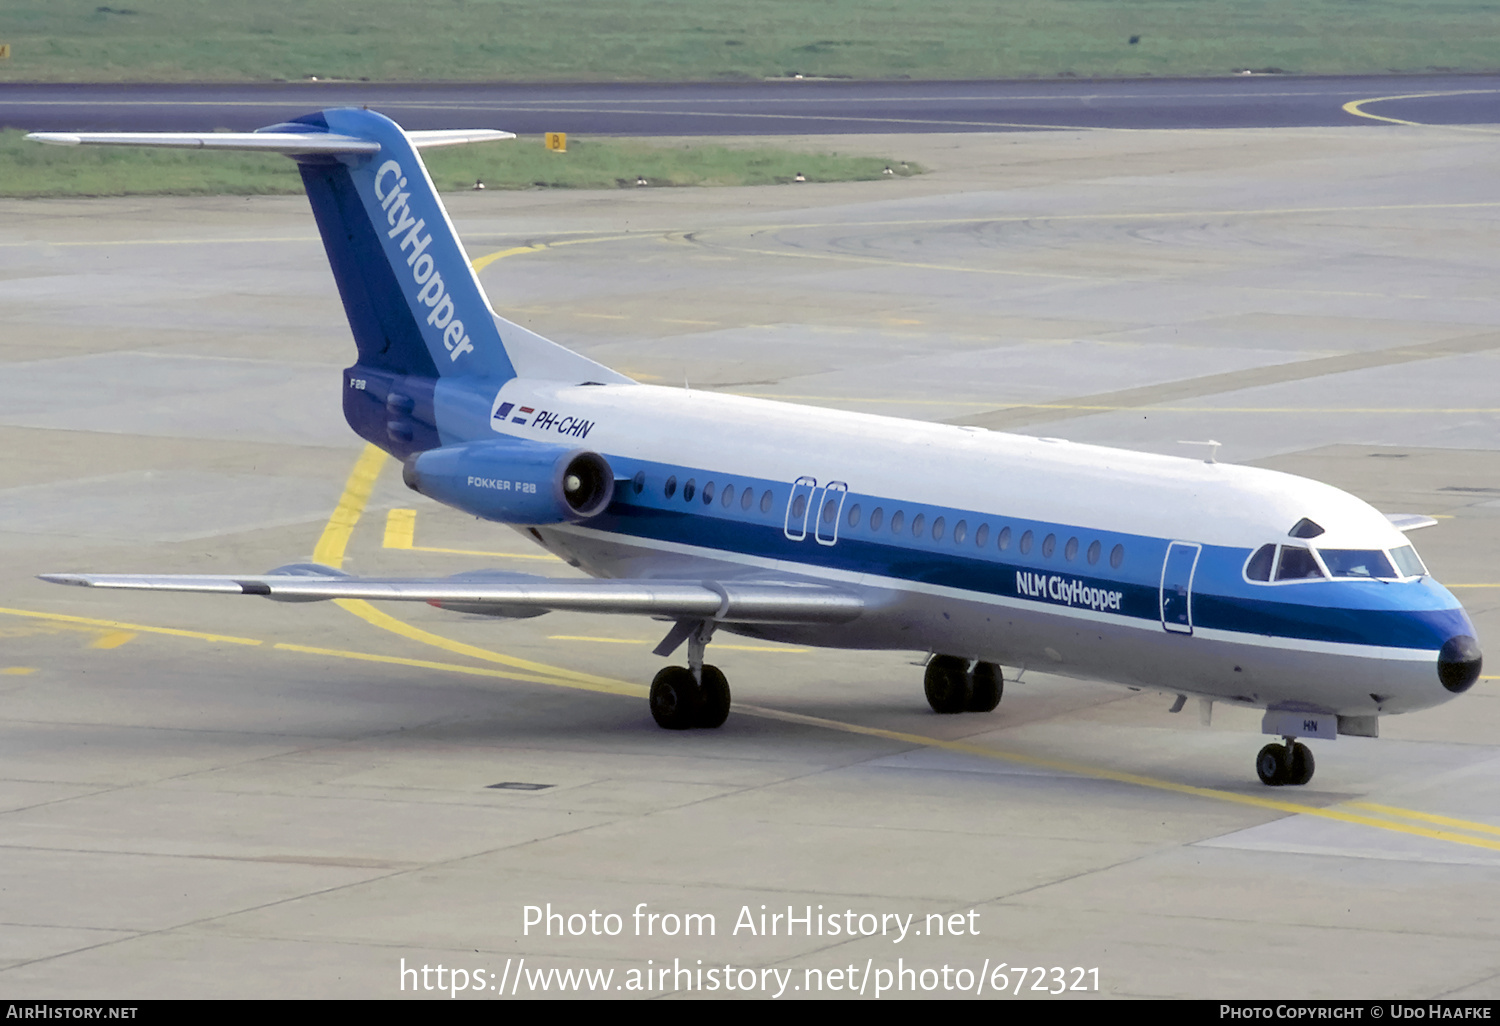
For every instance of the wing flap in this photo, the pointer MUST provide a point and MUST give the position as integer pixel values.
(732, 601)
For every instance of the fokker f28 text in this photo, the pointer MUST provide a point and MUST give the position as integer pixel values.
(719, 513)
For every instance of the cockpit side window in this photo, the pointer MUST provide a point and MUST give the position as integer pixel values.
(1357, 563)
(1408, 562)
(1259, 567)
(1297, 564)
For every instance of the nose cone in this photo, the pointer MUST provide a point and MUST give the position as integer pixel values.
(1459, 663)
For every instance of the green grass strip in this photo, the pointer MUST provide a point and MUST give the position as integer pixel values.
(30, 169)
(678, 40)
(683, 40)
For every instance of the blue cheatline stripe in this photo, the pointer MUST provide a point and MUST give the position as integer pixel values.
(651, 516)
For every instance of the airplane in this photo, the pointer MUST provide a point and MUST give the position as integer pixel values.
(819, 527)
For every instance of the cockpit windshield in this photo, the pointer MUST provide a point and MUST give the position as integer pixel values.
(1358, 563)
(1408, 562)
(1297, 564)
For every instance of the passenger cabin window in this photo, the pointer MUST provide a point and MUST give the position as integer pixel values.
(670, 488)
(917, 523)
(766, 501)
(1259, 567)
(897, 519)
(1004, 541)
(1297, 564)
(982, 536)
(1408, 562)
(1358, 563)
(1094, 549)
(746, 498)
(728, 499)
(854, 515)
(1026, 543)
(708, 493)
(1116, 556)
(960, 532)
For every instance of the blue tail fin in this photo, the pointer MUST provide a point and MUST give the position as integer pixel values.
(414, 303)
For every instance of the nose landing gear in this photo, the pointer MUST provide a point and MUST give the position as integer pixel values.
(1291, 763)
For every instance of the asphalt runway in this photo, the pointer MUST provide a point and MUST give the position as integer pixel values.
(223, 797)
(780, 106)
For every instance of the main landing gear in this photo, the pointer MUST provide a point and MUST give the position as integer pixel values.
(696, 695)
(953, 687)
(1291, 763)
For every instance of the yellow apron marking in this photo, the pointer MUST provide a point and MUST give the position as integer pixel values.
(583, 682)
(118, 626)
(114, 639)
(1426, 817)
(1356, 107)
(17, 671)
(401, 530)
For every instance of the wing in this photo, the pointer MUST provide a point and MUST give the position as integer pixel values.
(1409, 521)
(517, 595)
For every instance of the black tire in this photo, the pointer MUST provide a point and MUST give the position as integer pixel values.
(715, 708)
(1271, 765)
(987, 685)
(675, 698)
(1301, 766)
(947, 684)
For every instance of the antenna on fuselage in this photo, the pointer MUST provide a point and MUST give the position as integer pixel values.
(1212, 452)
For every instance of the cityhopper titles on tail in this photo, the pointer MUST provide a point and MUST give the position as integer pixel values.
(988, 553)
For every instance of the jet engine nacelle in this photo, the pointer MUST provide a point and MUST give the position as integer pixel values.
(514, 481)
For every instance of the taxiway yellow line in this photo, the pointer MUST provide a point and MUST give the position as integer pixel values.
(480, 263)
(581, 682)
(1356, 107)
(1100, 773)
(16, 671)
(401, 532)
(115, 625)
(1426, 817)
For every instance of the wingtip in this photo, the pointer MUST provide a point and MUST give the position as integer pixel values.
(54, 138)
(73, 579)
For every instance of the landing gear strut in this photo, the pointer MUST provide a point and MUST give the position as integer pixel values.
(952, 687)
(1291, 763)
(696, 695)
